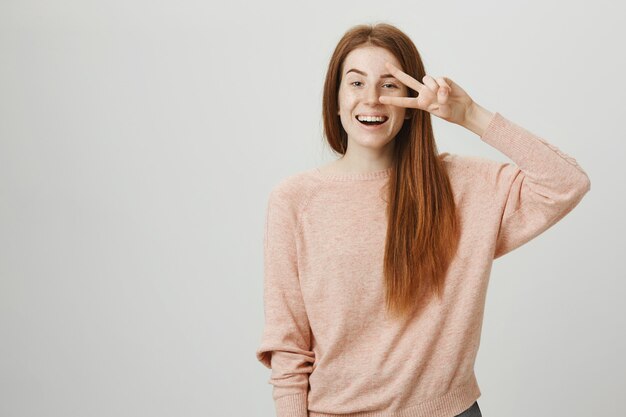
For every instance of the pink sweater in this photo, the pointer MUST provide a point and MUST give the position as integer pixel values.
(326, 338)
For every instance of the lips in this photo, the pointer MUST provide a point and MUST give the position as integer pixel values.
(372, 125)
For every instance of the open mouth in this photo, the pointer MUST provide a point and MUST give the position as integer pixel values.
(372, 121)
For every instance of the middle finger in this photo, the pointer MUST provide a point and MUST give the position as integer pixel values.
(405, 78)
(431, 83)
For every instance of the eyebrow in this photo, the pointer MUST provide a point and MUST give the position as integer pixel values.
(364, 73)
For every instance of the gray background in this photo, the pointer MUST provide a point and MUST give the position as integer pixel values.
(139, 141)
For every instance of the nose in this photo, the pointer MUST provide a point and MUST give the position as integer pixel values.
(371, 95)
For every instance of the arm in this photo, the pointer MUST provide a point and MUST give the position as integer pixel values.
(538, 189)
(286, 342)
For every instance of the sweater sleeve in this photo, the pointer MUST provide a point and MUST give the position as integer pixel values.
(286, 341)
(539, 188)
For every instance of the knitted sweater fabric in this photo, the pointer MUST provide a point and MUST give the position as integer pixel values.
(330, 346)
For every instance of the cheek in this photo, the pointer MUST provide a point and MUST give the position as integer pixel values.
(347, 96)
(346, 104)
(399, 112)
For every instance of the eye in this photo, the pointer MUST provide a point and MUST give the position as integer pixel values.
(391, 84)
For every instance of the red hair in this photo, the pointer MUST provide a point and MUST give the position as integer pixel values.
(423, 229)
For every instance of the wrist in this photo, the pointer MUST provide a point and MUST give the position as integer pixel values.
(477, 118)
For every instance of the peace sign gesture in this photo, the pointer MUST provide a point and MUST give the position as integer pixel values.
(439, 96)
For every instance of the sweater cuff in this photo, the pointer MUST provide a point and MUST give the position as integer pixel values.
(509, 138)
(292, 406)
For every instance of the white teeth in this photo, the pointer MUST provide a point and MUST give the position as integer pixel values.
(371, 118)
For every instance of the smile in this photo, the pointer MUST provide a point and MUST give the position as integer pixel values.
(372, 122)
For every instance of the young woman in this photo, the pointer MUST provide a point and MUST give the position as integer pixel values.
(376, 265)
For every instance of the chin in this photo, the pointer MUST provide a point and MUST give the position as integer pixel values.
(373, 142)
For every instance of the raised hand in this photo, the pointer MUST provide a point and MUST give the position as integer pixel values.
(439, 96)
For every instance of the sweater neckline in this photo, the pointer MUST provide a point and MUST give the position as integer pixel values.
(354, 176)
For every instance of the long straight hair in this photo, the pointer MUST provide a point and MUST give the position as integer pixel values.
(423, 229)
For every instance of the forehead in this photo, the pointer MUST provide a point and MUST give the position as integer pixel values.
(370, 59)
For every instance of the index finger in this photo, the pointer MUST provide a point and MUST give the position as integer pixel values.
(404, 77)
(400, 101)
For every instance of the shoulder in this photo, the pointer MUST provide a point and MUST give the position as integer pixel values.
(468, 162)
(472, 169)
(294, 190)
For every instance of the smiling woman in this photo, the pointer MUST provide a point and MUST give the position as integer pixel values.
(376, 265)
(357, 77)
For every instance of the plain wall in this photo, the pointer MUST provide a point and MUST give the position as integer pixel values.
(138, 144)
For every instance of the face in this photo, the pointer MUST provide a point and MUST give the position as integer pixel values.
(361, 85)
